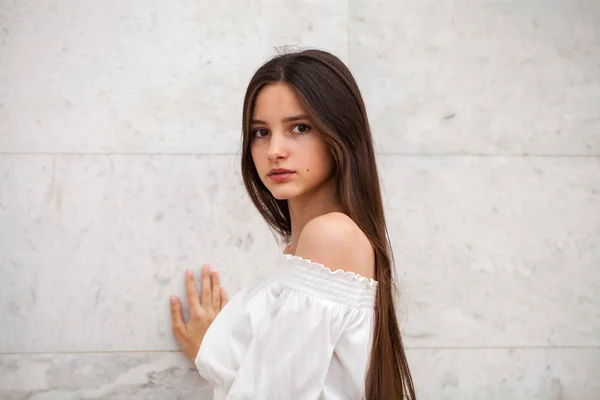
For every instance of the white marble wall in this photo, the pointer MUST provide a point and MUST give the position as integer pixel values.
(119, 150)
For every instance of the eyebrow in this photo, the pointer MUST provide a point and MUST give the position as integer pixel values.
(288, 119)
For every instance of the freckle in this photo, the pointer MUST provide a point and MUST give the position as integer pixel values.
(307, 169)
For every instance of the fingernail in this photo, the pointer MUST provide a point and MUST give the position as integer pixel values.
(173, 299)
(189, 272)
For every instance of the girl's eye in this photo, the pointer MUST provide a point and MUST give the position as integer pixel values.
(301, 128)
(259, 132)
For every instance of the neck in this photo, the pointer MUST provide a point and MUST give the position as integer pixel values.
(320, 201)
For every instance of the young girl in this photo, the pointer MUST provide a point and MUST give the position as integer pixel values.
(324, 325)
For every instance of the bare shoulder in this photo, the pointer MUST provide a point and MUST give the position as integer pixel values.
(335, 241)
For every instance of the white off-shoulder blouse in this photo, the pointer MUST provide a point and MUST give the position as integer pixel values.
(304, 333)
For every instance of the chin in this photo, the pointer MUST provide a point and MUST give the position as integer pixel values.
(283, 194)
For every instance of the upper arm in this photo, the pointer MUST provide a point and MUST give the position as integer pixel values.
(335, 241)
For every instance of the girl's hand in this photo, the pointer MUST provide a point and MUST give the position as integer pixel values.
(202, 311)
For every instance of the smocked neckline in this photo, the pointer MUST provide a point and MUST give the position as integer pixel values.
(348, 276)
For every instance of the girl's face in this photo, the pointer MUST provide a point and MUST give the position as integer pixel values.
(282, 136)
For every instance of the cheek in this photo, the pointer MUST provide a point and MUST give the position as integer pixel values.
(322, 163)
(254, 153)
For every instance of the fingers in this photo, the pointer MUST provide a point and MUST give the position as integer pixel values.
(192, 295)
(206, 300)
(216, 291)
(224, 298)
(177, 316)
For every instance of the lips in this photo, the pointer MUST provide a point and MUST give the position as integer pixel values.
(278, 171)
(280, 175)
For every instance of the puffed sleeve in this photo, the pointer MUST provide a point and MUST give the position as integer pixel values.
(304, 336)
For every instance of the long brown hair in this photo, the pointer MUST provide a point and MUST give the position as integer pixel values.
(330, 95)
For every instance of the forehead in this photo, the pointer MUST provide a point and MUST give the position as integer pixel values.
(277, 99)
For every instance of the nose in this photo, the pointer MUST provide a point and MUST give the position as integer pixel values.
(277, 146)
